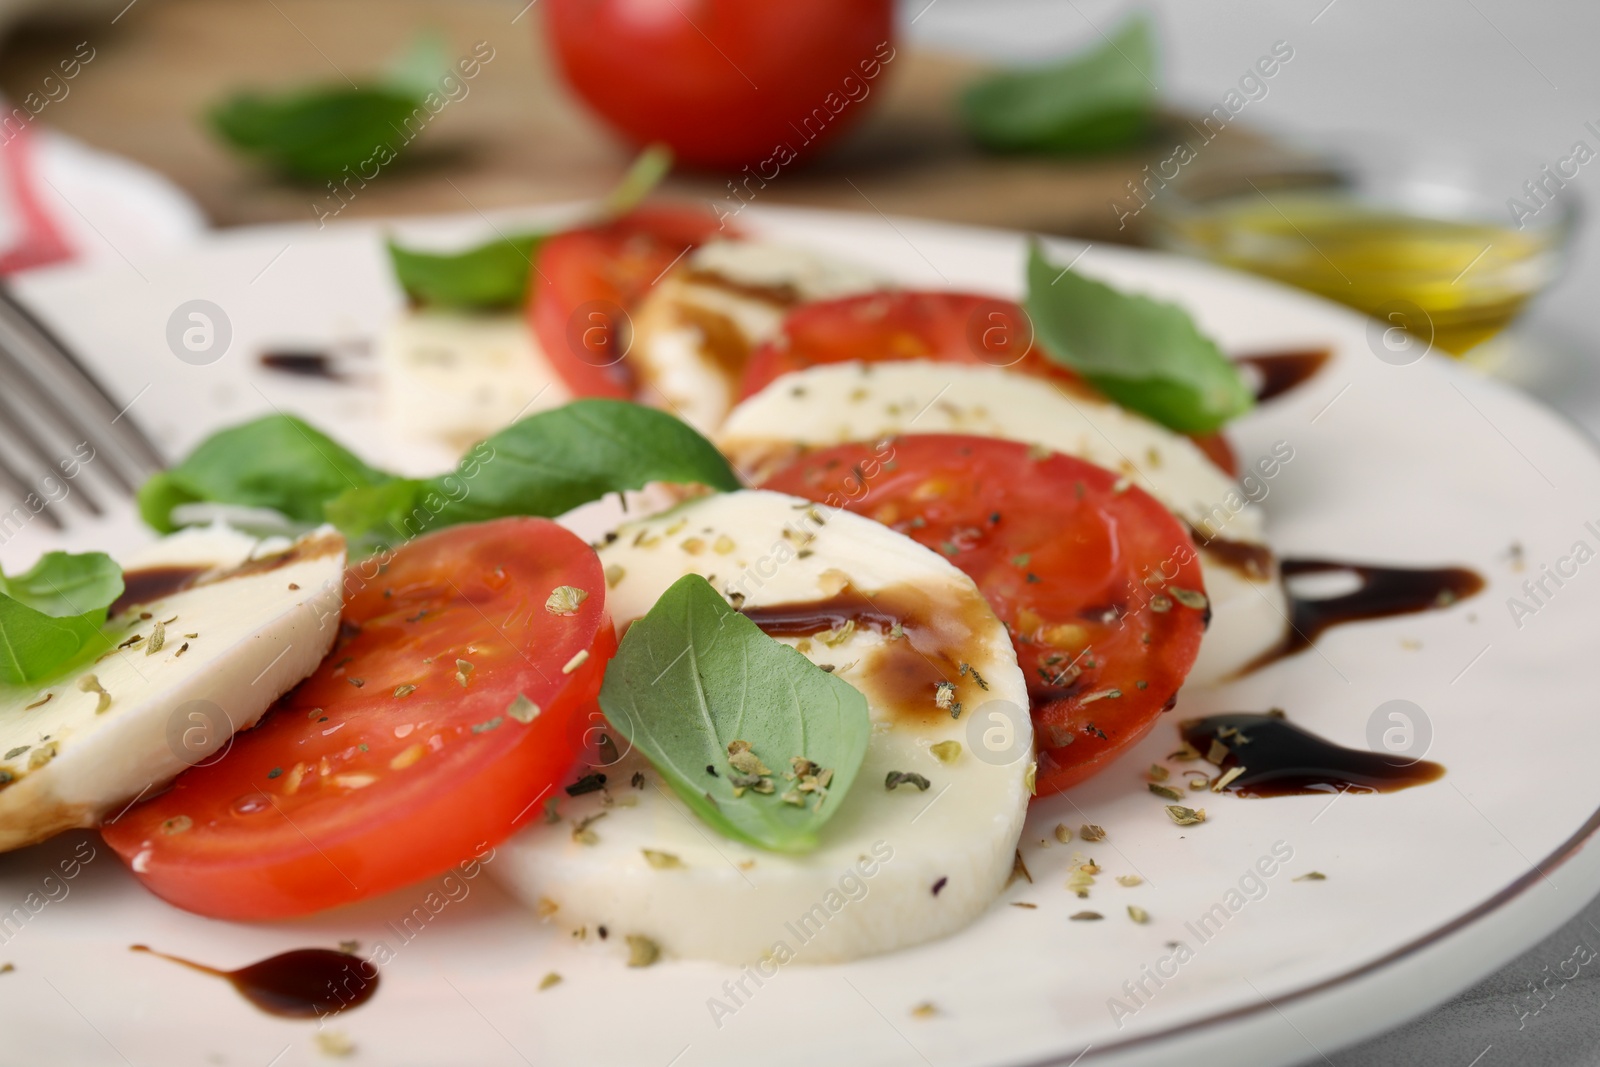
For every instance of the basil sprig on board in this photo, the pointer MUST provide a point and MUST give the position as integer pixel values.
(545, 464)
(494, 275)
(1144, 354)
(696, 685)
(51, 612)
(1095, 101)
(316, 133)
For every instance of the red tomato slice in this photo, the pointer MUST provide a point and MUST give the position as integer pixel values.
(916, 324)
(356, 783)
(1098, 584)
(589, 279)
(903, 324)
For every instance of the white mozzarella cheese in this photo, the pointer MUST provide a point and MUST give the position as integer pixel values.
(692, 334)
(831, 404)
(894, 868)
(456, 377)
(256, 620)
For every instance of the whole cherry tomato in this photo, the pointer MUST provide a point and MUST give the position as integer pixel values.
(725, 83)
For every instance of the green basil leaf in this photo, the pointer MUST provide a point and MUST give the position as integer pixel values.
(693, 676)
(545, 464)
(277, 462)
(371, 516)
(52, 611)
(550, 463)
(494, 275)
(489, 277)
(1095, 101)
(314, 134)
(1144, 354)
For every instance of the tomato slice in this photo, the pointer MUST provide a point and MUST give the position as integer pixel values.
(1098, 584)
(917, 324)
(903, 324)
(588, 280)
(402, 755)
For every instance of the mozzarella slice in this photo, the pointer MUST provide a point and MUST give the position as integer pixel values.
(693, 333)
(255, 620)
(456, 377)
(831, 404)
(894, 868)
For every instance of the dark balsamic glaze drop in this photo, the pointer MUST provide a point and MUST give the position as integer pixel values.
(302, 364)
(1278, 372)
(306, 983)
(1383, 592)
(904, 674)
(152, 583)
(813, 617)
(1280, 759)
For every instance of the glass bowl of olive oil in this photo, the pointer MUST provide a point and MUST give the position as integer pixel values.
(1445, 241)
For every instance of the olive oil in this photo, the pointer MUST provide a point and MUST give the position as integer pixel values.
(1468, 278)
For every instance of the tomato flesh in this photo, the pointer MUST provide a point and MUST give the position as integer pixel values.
(393, 761)
(947, 327)
(588, 279)
(725, 82)
(1098, 584)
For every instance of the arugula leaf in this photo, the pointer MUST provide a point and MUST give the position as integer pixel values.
(545, 464)
(694, 676)
(50, 612)
(277, 461)
(1144, 354)
(490, 276)
(1095, 101)
(494, 275)
(314, 134)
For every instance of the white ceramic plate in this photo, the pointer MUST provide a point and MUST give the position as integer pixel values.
(1426, 889)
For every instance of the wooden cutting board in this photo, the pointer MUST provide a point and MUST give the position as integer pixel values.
(518, 137)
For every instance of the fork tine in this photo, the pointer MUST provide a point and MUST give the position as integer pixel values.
(37, 397)
(28, 442)
(9, 477)
(49, 369)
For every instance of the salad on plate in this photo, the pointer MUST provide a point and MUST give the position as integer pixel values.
(790, 582)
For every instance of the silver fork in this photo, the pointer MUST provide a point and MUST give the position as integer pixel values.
(55, 420)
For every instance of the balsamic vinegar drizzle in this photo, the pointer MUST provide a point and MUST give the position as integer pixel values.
(148, 584)
(302, 364)
(1384, 592)
(1278, 372)
(1280, 759)
(903, 675)
(305, 983)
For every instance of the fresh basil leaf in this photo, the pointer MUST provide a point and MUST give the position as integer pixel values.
(489, 277)
(494, 275)
(694, 676)
(314, 134)
(545, 464)
(550, 463)
(277, 462)
(1144, 354)
(372, 516)
(1095, 101)
(52, 611)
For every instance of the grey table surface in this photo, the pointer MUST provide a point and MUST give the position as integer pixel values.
(1497, 74)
